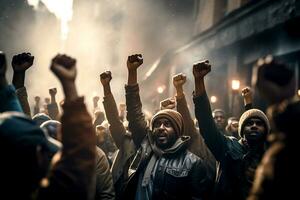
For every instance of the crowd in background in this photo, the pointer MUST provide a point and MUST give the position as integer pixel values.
(121, 153)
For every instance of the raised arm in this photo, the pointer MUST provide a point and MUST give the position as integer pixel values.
(168, 103)
(8, 98)
(214, 140)
(72, 176)
(20, 63)
(137, 123)
(178, 81)
(116, 127)
(197, 145)
(53, 106)
(247, 95)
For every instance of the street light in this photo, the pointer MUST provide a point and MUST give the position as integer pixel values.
(161, 89)
(299, 92)
(235, 86)
(213, 99)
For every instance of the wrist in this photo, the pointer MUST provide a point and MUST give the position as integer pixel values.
(70, 90)
(107, 90)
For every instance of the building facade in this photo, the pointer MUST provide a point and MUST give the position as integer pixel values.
(233, 35)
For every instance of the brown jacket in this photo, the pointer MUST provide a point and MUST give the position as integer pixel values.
(197, 144)
(104, 182)
(72, 176)
(123, 141)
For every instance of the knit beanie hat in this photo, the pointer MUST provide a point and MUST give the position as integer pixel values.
(174, 117)
(253, 113)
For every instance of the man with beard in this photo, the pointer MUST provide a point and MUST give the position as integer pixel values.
(237, 159)
(163, 168)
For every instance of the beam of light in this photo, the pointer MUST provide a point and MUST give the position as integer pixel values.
(62, 9)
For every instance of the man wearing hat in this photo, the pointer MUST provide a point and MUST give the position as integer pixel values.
(163, 168)
(237, 159)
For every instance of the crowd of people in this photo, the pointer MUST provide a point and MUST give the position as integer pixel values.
(123, 153)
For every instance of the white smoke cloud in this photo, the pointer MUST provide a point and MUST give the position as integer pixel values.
(102, 33)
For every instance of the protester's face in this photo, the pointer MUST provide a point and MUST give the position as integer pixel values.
(254, 129)
(219, 119)
(100, 133)
(164, 133)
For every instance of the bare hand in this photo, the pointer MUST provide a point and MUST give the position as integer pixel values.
(52, 91)
(202, 68)
(168, 104)
(105, 78)
(246, 92)
(37, 99)
(2, 64)
(134, 61)
(96, 99)
(22, 62)
(47, 100)
(64, 67)
(179, 80)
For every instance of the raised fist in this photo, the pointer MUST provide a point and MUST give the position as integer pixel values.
(134, 61)
(246, 92)
(105, 77)
(167, 104)
(52, 91)
(201, 68)
(96, 99)
(64, 67)
(22, 62)
(37, 99)
(179, 80)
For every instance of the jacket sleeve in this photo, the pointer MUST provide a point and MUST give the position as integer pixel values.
(137, 123)
(23, 99)
(72, 176)
(214, 140)
(197, 145)
(104, 182)
(116, 127)
(9, 100)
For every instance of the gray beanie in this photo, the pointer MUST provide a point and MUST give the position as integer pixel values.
(253, 113)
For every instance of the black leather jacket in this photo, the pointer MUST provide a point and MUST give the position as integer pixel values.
(179, 174)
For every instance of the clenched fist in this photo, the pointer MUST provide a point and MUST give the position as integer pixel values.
(134, 61)
(179, 80)
(22, 62)
(202, 68)
(105, 78)
(64, 67)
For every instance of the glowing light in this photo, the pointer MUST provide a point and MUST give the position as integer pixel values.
(213, 99)
(62, 9)
(299, 92)
(33, 3)
(235, 84)
(161, 89)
